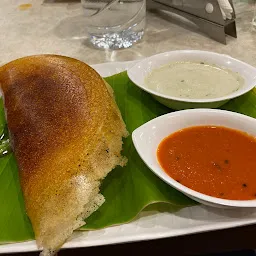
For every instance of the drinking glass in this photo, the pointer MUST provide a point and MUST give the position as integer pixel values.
(114, 24)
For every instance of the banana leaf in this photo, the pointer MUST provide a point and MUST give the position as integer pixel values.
(127, 190)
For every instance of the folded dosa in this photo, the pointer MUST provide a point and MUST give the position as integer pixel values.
(66, 133)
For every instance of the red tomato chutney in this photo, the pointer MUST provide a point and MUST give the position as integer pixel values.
(214, 160)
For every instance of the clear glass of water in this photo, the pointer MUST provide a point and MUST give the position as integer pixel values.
(114, 24)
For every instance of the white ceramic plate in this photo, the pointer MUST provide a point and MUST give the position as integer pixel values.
(150, 225)
(147, 137)
(141, 69)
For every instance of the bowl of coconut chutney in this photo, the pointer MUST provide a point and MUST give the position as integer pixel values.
(193, 79)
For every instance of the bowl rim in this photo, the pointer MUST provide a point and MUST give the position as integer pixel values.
(172, 182)
(232, 95)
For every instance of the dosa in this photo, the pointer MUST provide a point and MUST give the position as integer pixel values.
(66, 133)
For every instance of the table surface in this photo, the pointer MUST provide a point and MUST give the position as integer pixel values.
(58, 27)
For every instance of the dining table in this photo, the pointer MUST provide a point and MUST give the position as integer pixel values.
(29, 27)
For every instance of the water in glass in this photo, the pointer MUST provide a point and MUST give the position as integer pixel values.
(114, 24)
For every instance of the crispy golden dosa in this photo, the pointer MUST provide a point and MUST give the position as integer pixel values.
(66, 132)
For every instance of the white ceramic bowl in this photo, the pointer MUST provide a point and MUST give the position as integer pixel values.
(140, 70)
(147, 137)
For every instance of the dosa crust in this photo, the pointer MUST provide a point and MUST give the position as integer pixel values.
(66, 132)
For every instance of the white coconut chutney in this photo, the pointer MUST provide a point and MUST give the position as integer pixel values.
(193, 80)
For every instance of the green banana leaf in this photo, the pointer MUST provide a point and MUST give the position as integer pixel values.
(245, 104)
(127, 190)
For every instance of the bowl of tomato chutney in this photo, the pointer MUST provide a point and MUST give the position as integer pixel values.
(209, 155)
